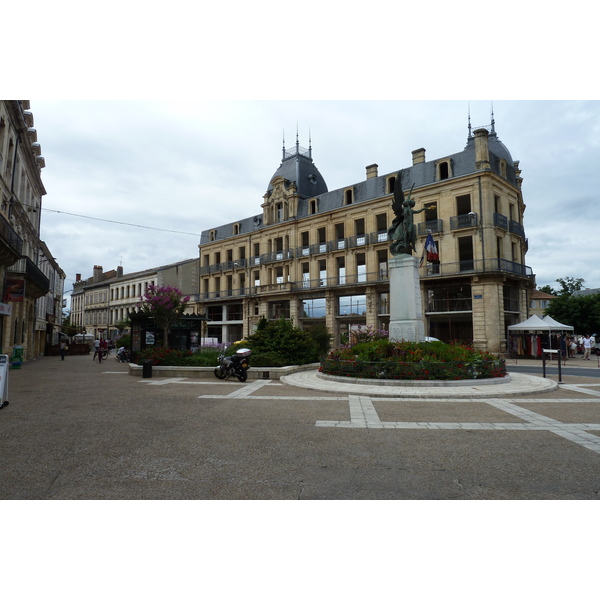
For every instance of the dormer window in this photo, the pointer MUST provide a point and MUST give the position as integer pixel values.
(391, 185)
(212, 235)
(236, 229)
(348, 197)
(443, 170)
(313, 206)
(503, 168)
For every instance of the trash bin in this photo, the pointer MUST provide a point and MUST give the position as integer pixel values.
(147, 369)
(17, 357)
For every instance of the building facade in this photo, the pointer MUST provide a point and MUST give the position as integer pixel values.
(320, 257)
(539, 302)
(32, 281)
(102, 303)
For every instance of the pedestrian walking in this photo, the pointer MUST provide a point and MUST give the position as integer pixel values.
(96, 348)
(587, 346)
(64, 348)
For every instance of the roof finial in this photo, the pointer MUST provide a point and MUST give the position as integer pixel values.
(297, 140)
(469, 119)
(493, 121)
(309, 144)
(283, 150)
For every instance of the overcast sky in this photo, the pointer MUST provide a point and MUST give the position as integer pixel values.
(189, 166)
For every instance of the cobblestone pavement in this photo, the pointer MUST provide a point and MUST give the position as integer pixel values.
(76, 429)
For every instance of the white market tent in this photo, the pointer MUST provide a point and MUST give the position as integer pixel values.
(534, 323)
(556, 324)
(529, 337)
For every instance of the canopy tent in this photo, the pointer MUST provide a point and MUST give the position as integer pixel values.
(558, 326)
(534, 323)
(531, 336)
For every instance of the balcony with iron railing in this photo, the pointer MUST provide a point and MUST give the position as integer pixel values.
(463, 221)
(515, 227)
(11, 245)
(435, 226)
(40, 283)
(500, 221)
(341, 280)
(489, 265)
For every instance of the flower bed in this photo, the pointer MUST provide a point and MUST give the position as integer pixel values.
(382, 359)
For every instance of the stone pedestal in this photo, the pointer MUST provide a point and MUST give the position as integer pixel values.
(406, 315)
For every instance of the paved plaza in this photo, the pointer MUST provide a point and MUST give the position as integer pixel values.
(76, 429)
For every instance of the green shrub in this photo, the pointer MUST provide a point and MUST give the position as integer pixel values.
(382, 359)
(281, 341)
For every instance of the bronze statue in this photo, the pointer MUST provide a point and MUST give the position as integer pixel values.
(402, 232)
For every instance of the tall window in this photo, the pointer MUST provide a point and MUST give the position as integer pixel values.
(361, 268)
(314, 308)
(352, 305)
(465, 253)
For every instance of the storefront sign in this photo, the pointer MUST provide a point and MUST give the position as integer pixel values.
(14, 290)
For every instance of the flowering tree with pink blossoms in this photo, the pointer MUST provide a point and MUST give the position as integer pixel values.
(165, 305)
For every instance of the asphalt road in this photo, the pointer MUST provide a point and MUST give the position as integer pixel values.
(76, 429)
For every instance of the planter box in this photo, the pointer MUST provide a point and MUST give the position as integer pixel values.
(208, 372)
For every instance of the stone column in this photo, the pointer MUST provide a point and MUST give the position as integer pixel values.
(406, 314)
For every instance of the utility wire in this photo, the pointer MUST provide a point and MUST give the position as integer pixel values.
(120, 222)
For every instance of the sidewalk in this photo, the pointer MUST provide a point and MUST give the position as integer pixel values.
(76, 429)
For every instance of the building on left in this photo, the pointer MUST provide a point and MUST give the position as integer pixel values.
(32, 281)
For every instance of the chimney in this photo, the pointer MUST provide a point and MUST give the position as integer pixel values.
(97, 273)
(482, 150)
(77, 277)
(372, 171)
(119, 271)
(418, 156)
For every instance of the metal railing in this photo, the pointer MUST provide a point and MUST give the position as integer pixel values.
(515, 227)
(500, 221)
(435, 226)
(463, 221)
(489, 265)
(25, 265)
(10, 237)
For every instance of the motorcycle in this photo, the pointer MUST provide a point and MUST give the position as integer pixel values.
(234, 366)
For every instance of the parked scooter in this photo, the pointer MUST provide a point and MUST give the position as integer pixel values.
(234, 366)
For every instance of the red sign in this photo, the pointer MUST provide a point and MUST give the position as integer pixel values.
(14, 290)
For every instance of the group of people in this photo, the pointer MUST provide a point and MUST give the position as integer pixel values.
(587, 343)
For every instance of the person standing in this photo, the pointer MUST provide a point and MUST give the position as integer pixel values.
(63, 349)
(102, 349)
(587, 346)
(96, 348)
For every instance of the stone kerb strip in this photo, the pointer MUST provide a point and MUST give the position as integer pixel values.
(417, 383)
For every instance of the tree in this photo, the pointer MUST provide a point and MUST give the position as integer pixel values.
(165, 305)
(582, 312)
(548, 290)
(568, 285)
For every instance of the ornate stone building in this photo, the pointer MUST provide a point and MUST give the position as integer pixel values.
(320, 256)
(32, 281)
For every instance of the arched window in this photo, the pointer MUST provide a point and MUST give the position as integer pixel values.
(443, 170)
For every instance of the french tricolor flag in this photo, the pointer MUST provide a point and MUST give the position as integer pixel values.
(430, 249)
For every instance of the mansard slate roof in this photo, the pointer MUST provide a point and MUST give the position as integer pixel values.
(298, 167)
